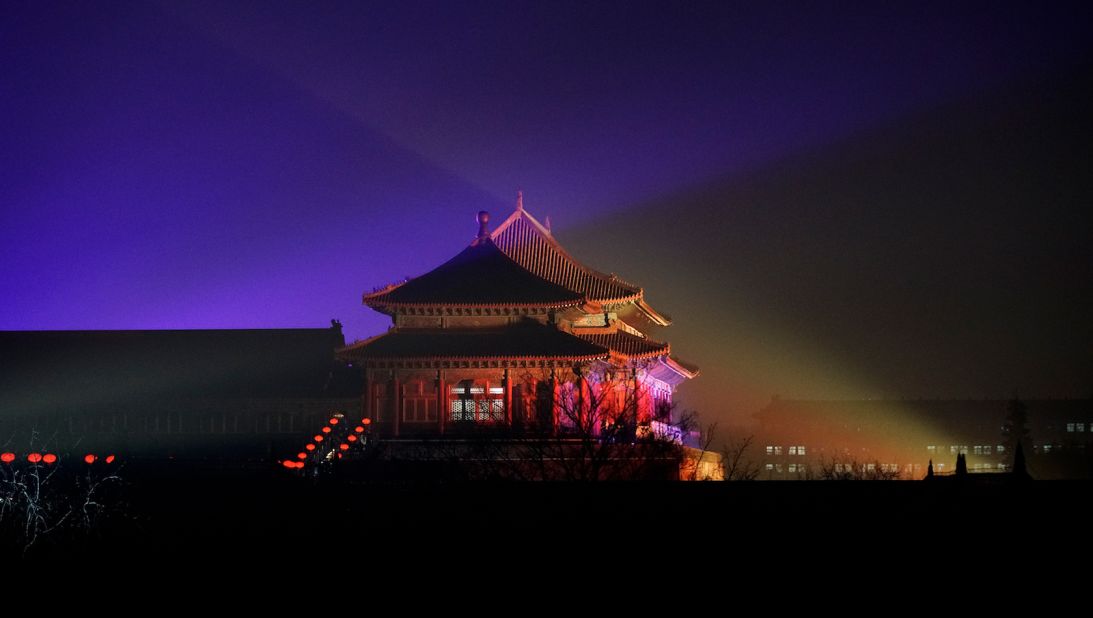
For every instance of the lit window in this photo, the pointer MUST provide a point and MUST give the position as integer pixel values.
(1046, 448)
(770, 451)
(931, 449)
(954, 449)
(777, 450)
(987, 449)
(1079, 427)
(1070, 427)
(770, 467)
(800, 450)
(1001, 448)
(978, 449)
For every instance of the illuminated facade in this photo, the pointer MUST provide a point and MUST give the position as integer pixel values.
(514, 334)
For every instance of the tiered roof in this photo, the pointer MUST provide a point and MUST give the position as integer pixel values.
(531, 245)
(524, 340)
(519, 267)
(479, 276)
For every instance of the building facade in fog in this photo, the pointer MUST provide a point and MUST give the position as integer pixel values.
(800, 439)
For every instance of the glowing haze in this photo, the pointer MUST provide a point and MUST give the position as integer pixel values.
(832, 202)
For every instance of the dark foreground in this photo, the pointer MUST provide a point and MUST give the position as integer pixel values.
(183, 515)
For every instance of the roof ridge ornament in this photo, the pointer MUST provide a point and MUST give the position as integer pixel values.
(483, 227)
(520, 201)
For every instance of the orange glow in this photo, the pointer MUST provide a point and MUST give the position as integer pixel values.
(34, 457)
(301, 455)
(89, 458)
(288, 463)
(318, 438)
(109, 459)
(333, 421)
(7, 457)
(339, 455)
(309, 446)
(359, 429)
(366, 421)
(326, 430)
(343, 446)
(352, 438)
(49, 458)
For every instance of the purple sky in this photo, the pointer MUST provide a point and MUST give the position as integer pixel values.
(199, 165)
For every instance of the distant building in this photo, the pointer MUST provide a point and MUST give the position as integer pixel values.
(797, 439)
(226, 394)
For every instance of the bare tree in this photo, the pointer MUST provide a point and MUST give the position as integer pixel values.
(49, 497)
(836, 469)
(735, 457)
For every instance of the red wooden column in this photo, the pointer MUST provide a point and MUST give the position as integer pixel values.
(506, 384)
(366, 398)
(554, 402)
(396, 401)
(441, 401)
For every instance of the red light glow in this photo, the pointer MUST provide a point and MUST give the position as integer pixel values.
(309, 446)
(366, 421)
(343, 446)
(109, 459)
(34, 457)
(288, 463)
(326, 430)
(49, 458)
(352, 438)
(359, 429)
(7, 457)
(89, 458)
(318, 438)
(333, 421)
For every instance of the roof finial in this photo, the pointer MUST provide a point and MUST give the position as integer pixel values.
(519, 200)
(546, 224)
(483, 224)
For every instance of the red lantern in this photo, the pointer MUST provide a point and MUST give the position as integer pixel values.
(318, 438)
(366, 421)
(7, 457)
(49, 458)
(288, 463)
(359, 429)
(34, 457)
(343, 446)
(309, 446)
(333, 421)
(109, 459)
(89, 459)
(301, 455)
(326, 430)
(352, 438)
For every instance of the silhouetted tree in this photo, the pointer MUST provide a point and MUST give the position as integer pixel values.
(736, 461)
(961, 465)
(1015, 430)
(1020, 469)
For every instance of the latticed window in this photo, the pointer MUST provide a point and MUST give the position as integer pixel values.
(476, 403)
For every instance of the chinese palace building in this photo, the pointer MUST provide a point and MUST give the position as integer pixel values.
(515, 334)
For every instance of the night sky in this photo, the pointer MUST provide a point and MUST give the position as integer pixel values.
(831, 199)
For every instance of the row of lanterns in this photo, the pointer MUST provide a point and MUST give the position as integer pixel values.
(50, 458)
(324, 433)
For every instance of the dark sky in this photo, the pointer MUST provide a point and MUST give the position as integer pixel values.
(832, 199)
